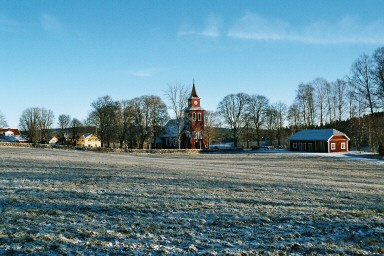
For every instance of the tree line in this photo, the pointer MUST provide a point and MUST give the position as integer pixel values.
(353, 104)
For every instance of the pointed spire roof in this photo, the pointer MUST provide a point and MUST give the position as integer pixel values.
(194, 94)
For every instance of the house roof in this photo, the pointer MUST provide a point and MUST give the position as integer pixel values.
(318, 135)
(170, 129)
(8, 139)
(14, 130)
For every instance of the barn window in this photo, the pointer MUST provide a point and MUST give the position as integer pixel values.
(294, 145)
(194, 116)
(333, 146)
(343, 145)
(199, 116)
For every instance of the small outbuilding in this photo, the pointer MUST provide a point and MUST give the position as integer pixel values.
(321, 140)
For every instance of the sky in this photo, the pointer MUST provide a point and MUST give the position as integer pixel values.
(63, 55)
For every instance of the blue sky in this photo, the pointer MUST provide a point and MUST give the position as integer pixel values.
(62, 55)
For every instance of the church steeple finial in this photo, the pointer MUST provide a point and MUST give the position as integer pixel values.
(194, 94)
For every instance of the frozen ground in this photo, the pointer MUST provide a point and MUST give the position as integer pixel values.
(74, 202)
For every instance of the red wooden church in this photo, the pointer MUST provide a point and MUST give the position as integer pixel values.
(192, 130)
(193, 134)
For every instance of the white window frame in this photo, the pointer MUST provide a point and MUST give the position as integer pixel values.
(193, 116)
(343, 145)
(333, 146)
(199, 116)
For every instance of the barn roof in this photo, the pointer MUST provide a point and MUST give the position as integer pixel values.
(320, 134)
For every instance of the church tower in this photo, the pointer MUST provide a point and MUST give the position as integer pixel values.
(195, 115)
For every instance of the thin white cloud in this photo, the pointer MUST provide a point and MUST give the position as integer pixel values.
(211, 28)
(348, 30)
(52, 25)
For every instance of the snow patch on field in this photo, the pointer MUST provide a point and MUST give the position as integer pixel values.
(69, 202)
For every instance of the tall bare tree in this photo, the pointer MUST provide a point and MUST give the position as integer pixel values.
(29, 122)
(177, 95)
(36, 122)
(232, 109)
(3, 121)
(306, 103)
(281, 112)
(103, 116)
(320, 85)
(378, 75)
(211, 122)
(271, 123)
(329, 102)
(363, 83)
(293, 117)
(150, 113)
(159, 116)
(257, 108)
(124, 119)
(63, 121)
(340, 95)
(46, 120)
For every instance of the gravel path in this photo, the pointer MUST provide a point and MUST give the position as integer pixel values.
(77, 202)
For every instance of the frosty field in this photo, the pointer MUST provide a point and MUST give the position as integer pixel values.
(77, 202)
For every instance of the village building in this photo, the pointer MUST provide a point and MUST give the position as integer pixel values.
(9, 132)
(53, 140)
(321, 140)
(192, 128)
(89, 140)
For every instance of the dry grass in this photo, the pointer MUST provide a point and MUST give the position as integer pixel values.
(68, 202)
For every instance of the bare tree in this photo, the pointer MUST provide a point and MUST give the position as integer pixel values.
(320, 85)
(363, 83)
(29, 122)
(76, 126)
(46, 120)
(306, 103)
(159, 116)
(378, 75)
(233, 111)
(257, 108)
(103, 116)
(149, 112)
(124, 119)
(340, 94)
(281, 112)
(64, 121)
(211, 122)
(271, 123)
(3, 121)
(293, 117)
(177, 95)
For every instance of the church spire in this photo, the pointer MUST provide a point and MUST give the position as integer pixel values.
(194, 94)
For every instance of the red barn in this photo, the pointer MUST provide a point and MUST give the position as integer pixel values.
(9, 131)
(322, 140)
